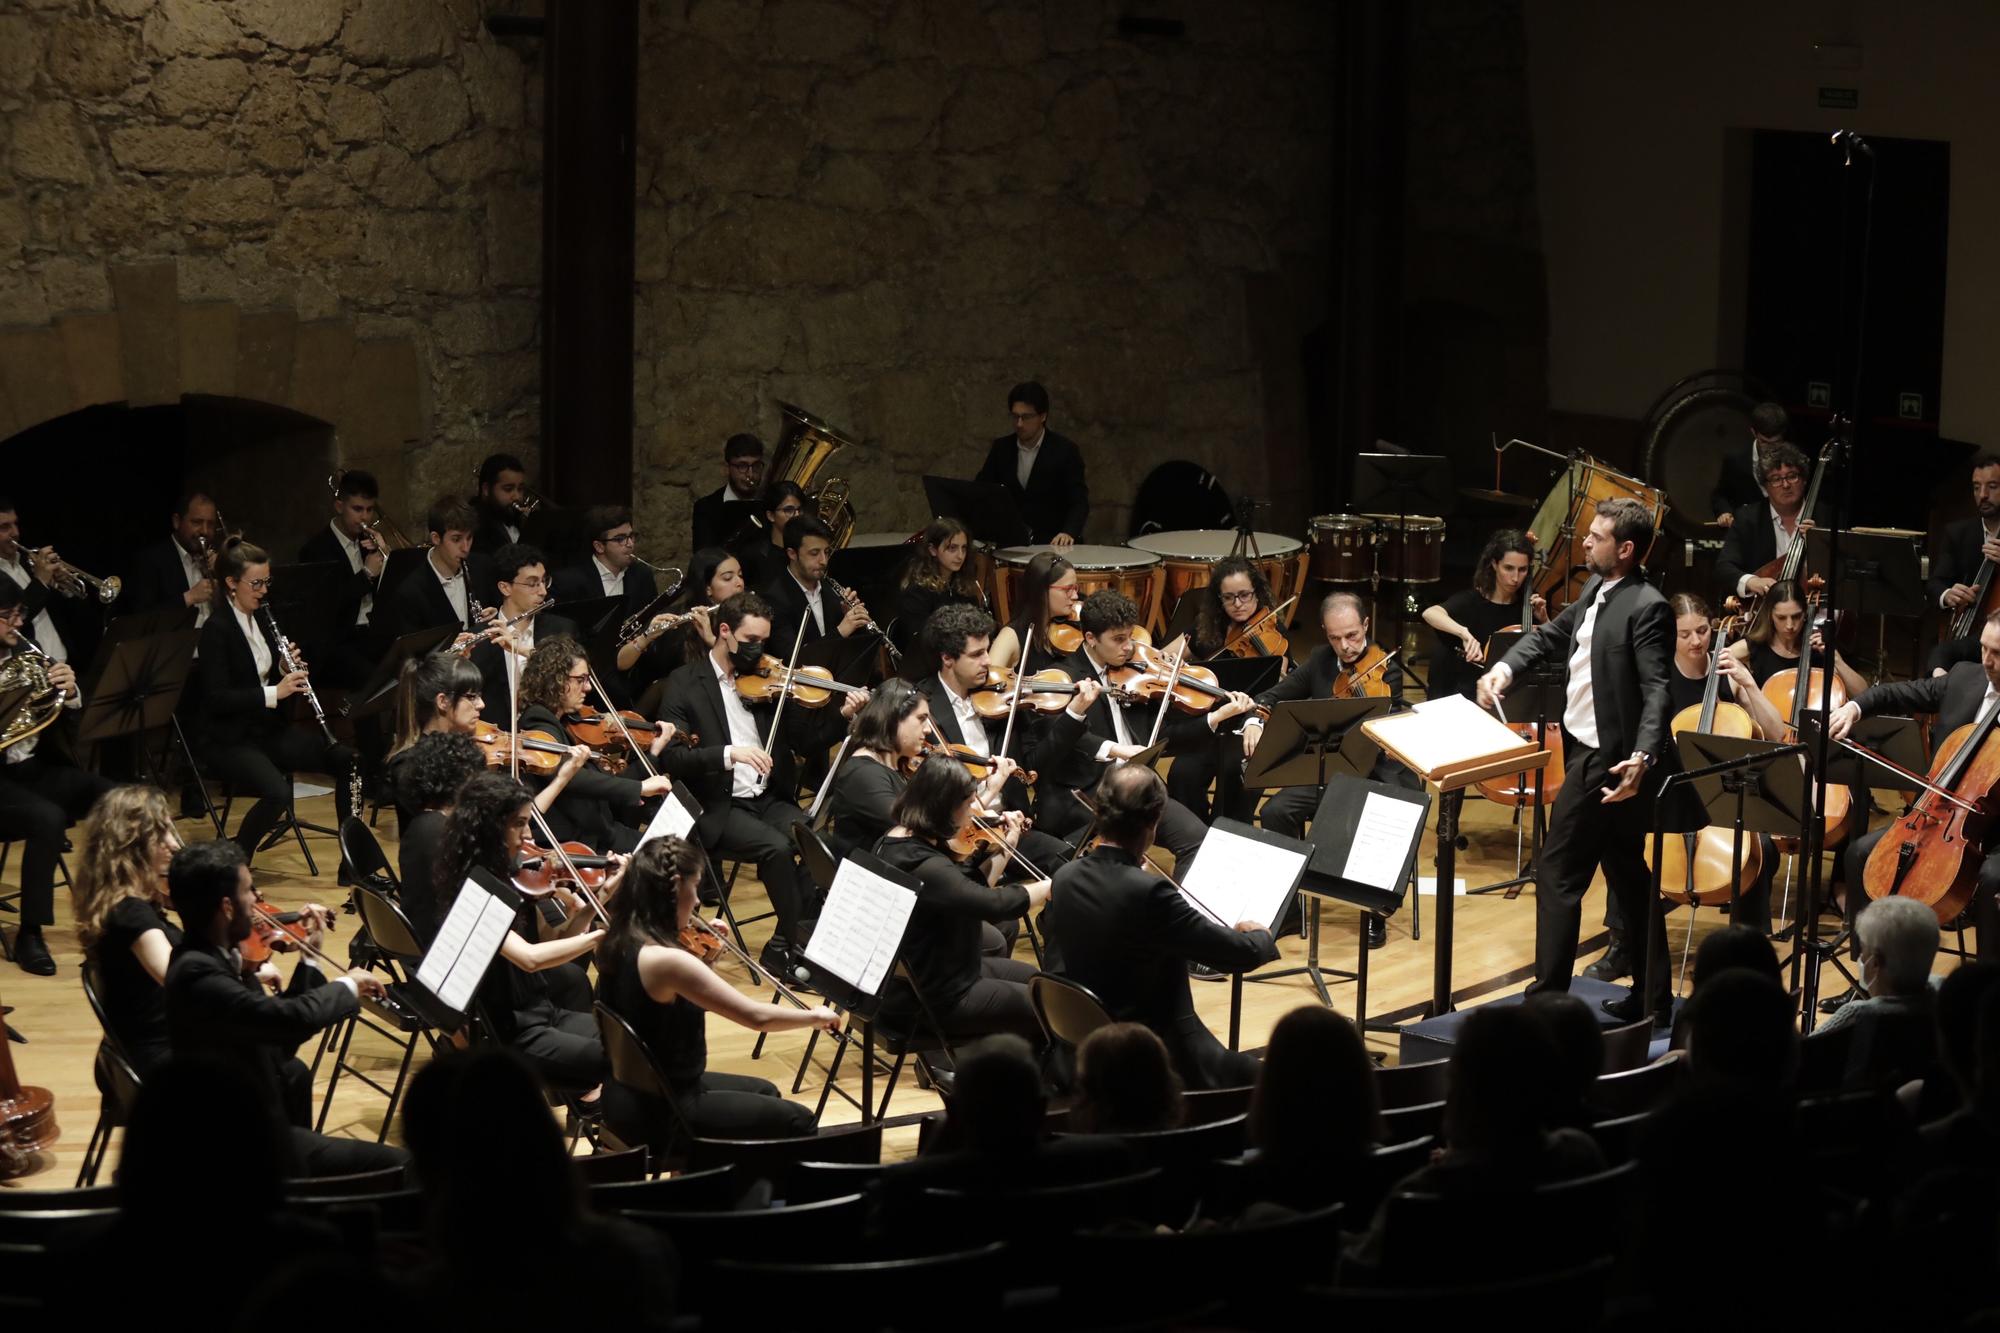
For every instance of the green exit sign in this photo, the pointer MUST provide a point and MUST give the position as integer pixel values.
(1840, 99)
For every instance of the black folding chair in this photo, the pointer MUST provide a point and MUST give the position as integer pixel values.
(899, 1044)
(615, 1168)
(1646, 1088)
(394, 1016)
(633, 1064)
(1067, 1010)
(1412, 1122)
(115, 1075)
(1398, 1087)
(690, 1191)
(357, 1184)
(773, 1160)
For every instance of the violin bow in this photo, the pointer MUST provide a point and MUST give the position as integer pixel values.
(611, 711)
(562, 854)
(826, 788)
(1908, 776)
(1179, 660)
(1360, 676)
(1160, 870)
(785, 690)
(269, 918)
(1251, 628)
(1014, 699)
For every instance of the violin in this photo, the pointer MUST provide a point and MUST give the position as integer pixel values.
(1356, 682)
(541, 872)
(598, 730)
(807, 686)
(1258, 637)
(701, 940)
(1151, 673)
(1694, 867)
(539, 751)
(271, 930)
(974, 841)
(977, 764)
(1047, 691)
(1066, 636)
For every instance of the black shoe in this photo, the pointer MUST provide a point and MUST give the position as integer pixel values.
(1627, 1008)
(1615, 965)
(347, 879)
(1203, 972)
(192, 804)
(1833, 1004)
(782, 962)
(707, 894)
(31, 954)
(1378, 930)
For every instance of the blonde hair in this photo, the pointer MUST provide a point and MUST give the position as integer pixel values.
(117, 859)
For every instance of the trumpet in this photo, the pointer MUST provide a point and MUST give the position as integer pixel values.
(291, 664)
(383, 531)
(531, 499)
(73, 582)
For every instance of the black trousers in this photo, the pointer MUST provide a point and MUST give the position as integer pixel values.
(40, 797)
(759, 830)
(1201, 1059)
(997, 1002)
(562, 1045)
(1584, 833)
(263, 768)
(1181, 832)
(1985, 904)
(1190, 775)
(716, 1106)
(322, 1155)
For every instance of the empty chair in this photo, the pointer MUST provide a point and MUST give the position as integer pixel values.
(1618, 1139)
(967, 1282)
(1646, 1088)
(1068, 1011)
(1412, 1122)
(690, 1191)
(828, 1230)
(388, 1180)
(1626, 1047)
(1570, 1300)
(1521, 1231)
(401, 1212)
(1212, 1104)
(1128, 1275)
(772, 1159)
(41, 1201)
(604, 1168)
(396, 1016)
(1182, 1156)
(50, 1226)
(812, 1181)
(1401, 1086)
(1038, 1221)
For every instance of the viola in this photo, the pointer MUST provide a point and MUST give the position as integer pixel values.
(977, 764)
(1366, 678)
(807, 686)
(1694, 867)
(541, 872)
(271, 930)
(598, 730)
(539, 751)
(1257, 639)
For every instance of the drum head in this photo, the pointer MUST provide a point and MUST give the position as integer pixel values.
(1690, 429)
(1213, 545)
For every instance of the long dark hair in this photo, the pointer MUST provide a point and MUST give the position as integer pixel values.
(1033, 612)
(1211, 626)
(887, 709)
(646, 908)
(473, 830)
(927, 805)
(1761, 629)
(927, 571)
(1505, 542)
(701, 571)
(423, 680)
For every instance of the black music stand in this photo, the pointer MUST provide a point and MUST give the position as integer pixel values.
(1544, 694)
(379, 691)
(1307, 742)
(1897, 739)
(138, 625)
(987, 510)
(138, 685)
(1335, 826)
(737, 516)
(1881, 575)
(1402, 484)
(305, 598)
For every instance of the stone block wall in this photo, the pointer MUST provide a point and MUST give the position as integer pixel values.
(336, 201)
(888, 211)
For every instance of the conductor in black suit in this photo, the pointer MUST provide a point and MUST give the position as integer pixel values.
(742, 481)
(1763, 530)
(172, 572)
(1964, 695)
(1617, 639)
(1042, 470)
(1128, 935)
(441, 591)
(217, 1010)
(1963, 546)
(1738, 484)
(348, 540)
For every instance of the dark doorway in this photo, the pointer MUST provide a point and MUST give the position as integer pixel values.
(1806, 217)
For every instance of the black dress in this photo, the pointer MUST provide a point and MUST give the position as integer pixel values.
(1766, 662)
(858, 809)
(914, 605)
(711, 1105)
(969, 993)
(416, 866)
(134, 1006)
(1449, 672)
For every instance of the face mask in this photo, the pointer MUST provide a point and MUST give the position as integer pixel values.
(746, 657)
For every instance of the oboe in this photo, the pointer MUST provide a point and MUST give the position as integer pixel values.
(849, 597)
(291, 664)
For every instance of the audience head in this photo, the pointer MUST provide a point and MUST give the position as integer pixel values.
(1315, 1094)
(1734, 947)
(1126, 1082)
(999, 1103)
(488, 1153)
(1899, 942)
(163, 1170)
(1579, 1042)
(1961, 998)
(1740, 1029)
(1504, 1071)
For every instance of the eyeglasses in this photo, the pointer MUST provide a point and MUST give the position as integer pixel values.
(537, 582)
(1783, 478)
(1238, 598)
(745, 464)
(260, 584)
(579, 676)
(619, 538)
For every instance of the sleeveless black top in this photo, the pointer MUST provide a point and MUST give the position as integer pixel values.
(676, 1033)
(1765, 663)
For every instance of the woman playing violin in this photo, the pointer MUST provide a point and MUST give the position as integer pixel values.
(1048, 597)
(939, 574)
(1467, 619)
(1233, 601)
(714, 576)
(647, 976)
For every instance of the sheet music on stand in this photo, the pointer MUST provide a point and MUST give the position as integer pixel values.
(860, 930)
(676, 816)
(1245, 874)
(467, 943)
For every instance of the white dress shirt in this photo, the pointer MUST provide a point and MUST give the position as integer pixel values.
(1580, 703)
(260, 652)
(970, 724)
(1025, 456)
(454, 589)
(613, 580)
(1123, 736)
(195, 574)
(355, 556)
(1784, 540)
(41, 629)
(19, 751)
(813, 604)
(749, 783)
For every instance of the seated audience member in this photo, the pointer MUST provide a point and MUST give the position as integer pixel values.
(1125, 1083)
(1572, 1025)
(1721, 950)
(1899, 942)
(1965, 1137)
(1314, 1115)
(495, 1169)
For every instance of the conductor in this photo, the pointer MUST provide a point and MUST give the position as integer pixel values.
(1617, 639)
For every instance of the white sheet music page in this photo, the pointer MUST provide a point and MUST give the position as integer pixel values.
(1442, 732)
(671, 818)
(1382, 842)
(471, 934)
(1242, 879)
(861, 927)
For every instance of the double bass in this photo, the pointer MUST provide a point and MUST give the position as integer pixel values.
(1694, 867)
(1789, 565)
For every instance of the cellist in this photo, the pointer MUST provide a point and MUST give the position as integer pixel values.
(1961, 696)
(1963, 547)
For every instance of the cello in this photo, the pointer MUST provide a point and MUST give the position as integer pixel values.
(1933, 852)
(27, 1117)
(1694, 868)
(1519, 789)
(1793, 702)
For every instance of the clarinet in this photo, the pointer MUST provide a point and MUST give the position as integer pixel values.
(290, 664)
(847, 596)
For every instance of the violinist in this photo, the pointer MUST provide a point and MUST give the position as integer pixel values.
(42, 792)
(1236, 598)
(599, 808)
(539, 1004)
(647, 976)
(675, 638)
(247, 741)
(1959, 697)
(453, 581)
(1763, 530)
(1109, 734)
(761, 546)
(959, 639)
(1340, 659)
(521, 574)
(1963, 546)
(938, 574)
(1616, 641)
(1129, 935)
(439, 694)
(1467, 619)
(965, 991)
(744, 789)
(802, 593)
(120, 887)
(1772, 642)
(218, 1011)
(1048, 597)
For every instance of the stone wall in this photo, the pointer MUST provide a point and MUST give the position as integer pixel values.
(358, 178)
(888, 211)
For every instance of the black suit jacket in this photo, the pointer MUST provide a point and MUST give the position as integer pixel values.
(788, 608)
(1067, 751)
(1631, 652)
(1027, 731)
(1129, 936)
(491, 659)
(419, 601)
(324, 548)
(1955, 697)
(1735, 484)
(693, 702)
(214, 1012)
(1056, 498)
(1314, 679)
(711, 520)
(1958, 558)
(580, 583)
(1751, 544)
(232, 693)
(155, 582)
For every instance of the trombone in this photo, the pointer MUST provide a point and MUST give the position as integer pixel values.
(386, 535)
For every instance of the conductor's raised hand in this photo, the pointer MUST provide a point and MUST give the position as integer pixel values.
(1492, 689)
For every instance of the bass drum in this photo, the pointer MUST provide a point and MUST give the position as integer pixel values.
(1191, 558)
(1687, 432)
(1180, 495)
(1137, 574)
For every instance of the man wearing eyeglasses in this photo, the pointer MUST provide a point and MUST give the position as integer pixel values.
(742, 482)
(613, 569)
(1042, 470)
(1763, 530)
(523, 580)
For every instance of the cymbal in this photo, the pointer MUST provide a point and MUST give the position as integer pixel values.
(1508, 498)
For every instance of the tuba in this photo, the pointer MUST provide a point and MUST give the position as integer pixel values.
(805, 447)
(28, 669)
